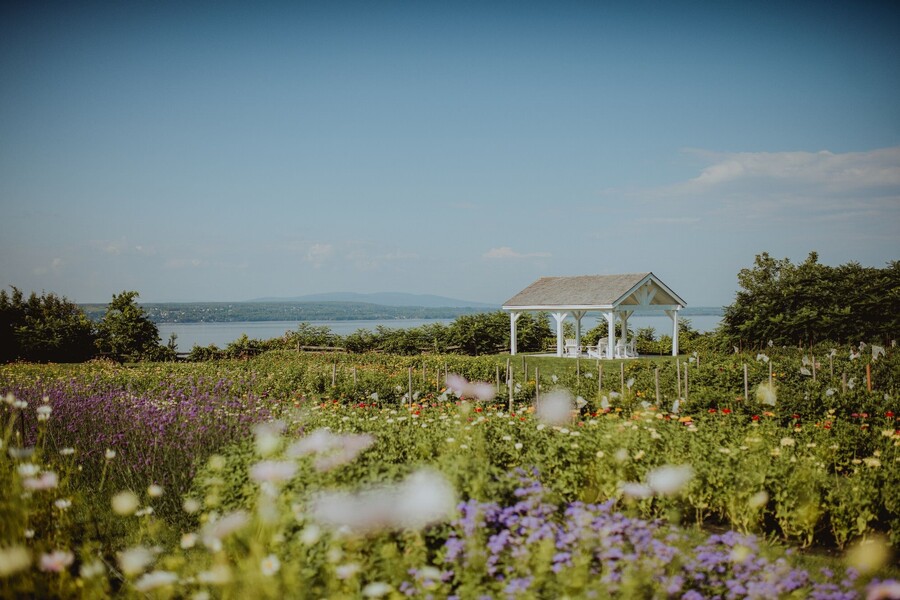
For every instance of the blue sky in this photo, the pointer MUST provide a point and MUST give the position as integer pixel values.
(220, 151)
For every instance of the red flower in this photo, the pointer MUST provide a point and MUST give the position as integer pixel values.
(755, 417)
(726, 411)
(478, 409)
(712, 411)
(854, 415)
(889, 414)
(827, 425)
(795, 416)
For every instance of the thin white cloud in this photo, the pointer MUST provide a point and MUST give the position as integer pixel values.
(505, 252)
(318, 254)
(185, 263)
(771, 187)
(122, 247)
(836, 173)
(55, 266)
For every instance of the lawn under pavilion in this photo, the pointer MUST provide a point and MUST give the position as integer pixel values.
(615, 297)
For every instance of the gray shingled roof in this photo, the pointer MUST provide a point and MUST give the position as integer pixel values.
(581, 290)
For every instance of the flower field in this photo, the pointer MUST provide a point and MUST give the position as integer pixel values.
(338, 476)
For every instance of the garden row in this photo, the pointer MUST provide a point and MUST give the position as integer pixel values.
(147, 478)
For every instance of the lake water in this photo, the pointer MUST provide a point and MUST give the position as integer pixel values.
(222, 334)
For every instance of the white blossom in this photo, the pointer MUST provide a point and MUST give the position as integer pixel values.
(555, 408)
(669, 479)
(155, 579)
(56, 561)
(125, 503)
(13, 560)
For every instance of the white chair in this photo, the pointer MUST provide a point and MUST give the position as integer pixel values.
(598, 351)
(572, 348)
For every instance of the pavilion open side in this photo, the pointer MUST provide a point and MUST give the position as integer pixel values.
(615, 297)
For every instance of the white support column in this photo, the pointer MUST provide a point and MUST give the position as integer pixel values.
(578, 314)
(624, 318)
(610, 334)
(560, 341)
(673, 314)
(513, 317)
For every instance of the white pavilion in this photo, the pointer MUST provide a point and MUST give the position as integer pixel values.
(615, 297)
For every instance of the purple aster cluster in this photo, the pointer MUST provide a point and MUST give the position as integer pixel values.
(535, 548)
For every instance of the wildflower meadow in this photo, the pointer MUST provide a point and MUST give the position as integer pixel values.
(769, 474)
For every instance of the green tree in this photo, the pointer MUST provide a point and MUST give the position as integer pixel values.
(482, 333)
(45, 328)
(125, 332)
(810, 302)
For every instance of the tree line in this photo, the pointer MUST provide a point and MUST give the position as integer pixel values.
(50, 328)
(809, 303)
(778, 302)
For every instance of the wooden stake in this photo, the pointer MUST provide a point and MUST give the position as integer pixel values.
(333, 374)
(509, 384)
(537, 384)
(844, 382)
(770, 372)
(497, 377)
(622, 377)
(678, 377)
(869, 377)
(599, 376)
(814, 367)
(657, 386)
(746, 386)
(685, 383)
(578, 367)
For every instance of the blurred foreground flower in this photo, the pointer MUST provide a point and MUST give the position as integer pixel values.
(268, 437)
(555, 408)
(215, 531)
(13, 560)
(47, 481)
(331, 450)
(56, 561)
(125, 503)
(271, 471)
(270, 565)
(884, 590)
(134, 560)
(422, 499)
(155, 579)
(476, 390)
(869, 555)
(765, 394)
(669, 479)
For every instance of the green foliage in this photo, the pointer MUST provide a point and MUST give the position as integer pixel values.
(485, 333)
(817, 467)
(811, 302)
(45, 328)
(125, 332)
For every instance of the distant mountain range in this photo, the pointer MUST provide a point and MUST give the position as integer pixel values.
(385, 299)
